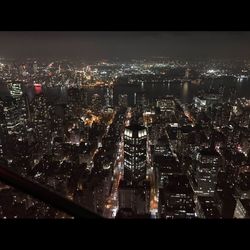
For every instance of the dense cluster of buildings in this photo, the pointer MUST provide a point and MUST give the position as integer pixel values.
(150, 159)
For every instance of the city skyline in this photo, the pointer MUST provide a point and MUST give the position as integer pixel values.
(152, 138)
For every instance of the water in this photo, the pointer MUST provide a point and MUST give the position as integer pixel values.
(184, 91)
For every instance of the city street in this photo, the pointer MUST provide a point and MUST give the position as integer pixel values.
(111, 206)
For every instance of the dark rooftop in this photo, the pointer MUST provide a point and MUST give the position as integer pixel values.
(135, 127)
(246, 204)
(177, 184)
(209, 208)
(209, 152)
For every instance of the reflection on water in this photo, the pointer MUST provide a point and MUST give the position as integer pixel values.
(185, 91)
(142, 85)
(134, 99)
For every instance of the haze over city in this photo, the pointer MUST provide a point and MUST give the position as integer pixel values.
(93, 45)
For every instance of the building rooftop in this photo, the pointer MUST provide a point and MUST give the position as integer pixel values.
(135, 127)
(209, 152)
(208, 207)
(177, 184)
(167, 164)
(246, 204)
(162, 141)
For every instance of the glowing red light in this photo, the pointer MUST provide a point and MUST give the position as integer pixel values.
(38, 88)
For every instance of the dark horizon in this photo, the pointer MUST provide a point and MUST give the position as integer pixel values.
(124, 45)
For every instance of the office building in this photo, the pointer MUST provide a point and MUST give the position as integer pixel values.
(176, 198)
(242, 209)
(207, 168)
(207, 208)
(135, 150)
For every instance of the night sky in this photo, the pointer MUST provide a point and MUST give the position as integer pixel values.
(124, 45)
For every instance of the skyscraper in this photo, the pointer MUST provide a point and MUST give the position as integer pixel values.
(187, 73)
(14, 110)
(135, 140)
(35, 69)
(16, 90)
(207, 208)
(176, 198)
(242, 209)
(41, 119)
(96, 103)
(1, 146)
(141, 99)
(19, 100)
(109, 97)
(166, 104)
(11, 114)
(208, 165)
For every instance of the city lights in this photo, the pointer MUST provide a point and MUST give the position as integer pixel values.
(157, 137)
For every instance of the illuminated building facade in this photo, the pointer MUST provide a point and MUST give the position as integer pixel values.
(135, 139)
(176, 198)
(199, 103)
(41, 120)
(207, 168)
(166, 104)
(136, 198)
(96, 103)
(207, 208)
(141, 99)
(242, 209)
(11, 113)
(35, 67)
(1, 148)
(109, 97)
(14, 110)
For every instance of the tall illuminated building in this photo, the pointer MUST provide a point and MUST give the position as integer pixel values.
(208, 165)
(14, 110)
(187, 73)
(35, 68)
(11, 114)
(109, 97)
(41, 120)
(141, 99)
(2, 128)
(74, 102)
(242, 209)
(176, 198)
(135, 150)
(207, 208)
(16, 90)
(166, 104)
(96, 103)
(17, 93)
(1, 148)
(134, 189)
